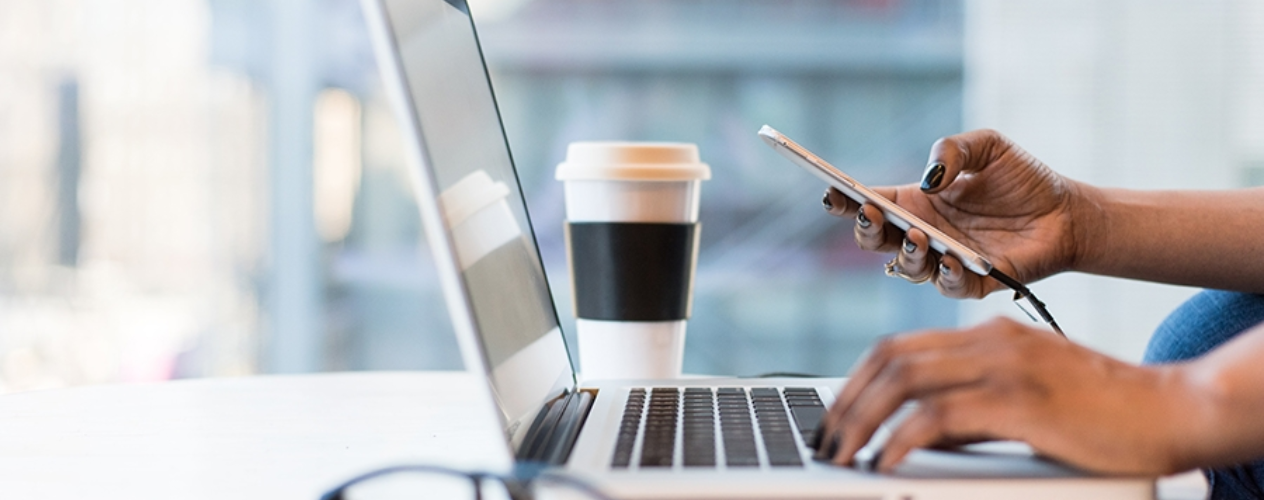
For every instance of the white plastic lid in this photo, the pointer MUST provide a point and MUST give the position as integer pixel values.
(632, 161)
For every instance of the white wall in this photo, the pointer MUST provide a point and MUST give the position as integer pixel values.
(1127, 93)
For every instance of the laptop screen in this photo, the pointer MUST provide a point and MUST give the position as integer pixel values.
(484, 220)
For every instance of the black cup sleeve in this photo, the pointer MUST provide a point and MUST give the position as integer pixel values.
(632, 271)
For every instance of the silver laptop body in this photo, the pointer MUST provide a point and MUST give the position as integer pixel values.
(686, 438)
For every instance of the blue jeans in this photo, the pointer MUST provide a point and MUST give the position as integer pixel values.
(1199, 325)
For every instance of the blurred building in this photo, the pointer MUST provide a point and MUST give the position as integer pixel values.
(1126, 94)
(217, 187)
(129, 196)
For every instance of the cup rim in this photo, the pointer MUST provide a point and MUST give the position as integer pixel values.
(662, 172)
(632, 161)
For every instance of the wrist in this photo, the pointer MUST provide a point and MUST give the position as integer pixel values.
(1191, 417)
(1089, 220)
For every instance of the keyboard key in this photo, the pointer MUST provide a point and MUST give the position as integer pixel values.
(690, 413)
(659, 442)
(736, 428)
(765, 392)
(628, 428)
(774, 429)
(807, 419)
(698, 428)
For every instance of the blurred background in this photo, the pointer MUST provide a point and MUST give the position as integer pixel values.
(194, 188)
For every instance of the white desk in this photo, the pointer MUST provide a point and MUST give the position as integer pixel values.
(276, 437)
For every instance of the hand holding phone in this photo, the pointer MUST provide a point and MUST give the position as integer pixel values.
(895, 214)
(905, 220)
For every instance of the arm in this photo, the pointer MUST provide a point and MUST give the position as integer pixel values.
(1230, 382)
(1212, 239)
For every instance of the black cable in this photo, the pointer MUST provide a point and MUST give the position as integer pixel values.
(1022, 292)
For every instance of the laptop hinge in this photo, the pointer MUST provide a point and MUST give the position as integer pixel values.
(556, 427)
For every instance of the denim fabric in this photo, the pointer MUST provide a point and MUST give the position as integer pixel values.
(1207, 320)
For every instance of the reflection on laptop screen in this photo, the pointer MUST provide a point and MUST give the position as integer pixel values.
(480, 202)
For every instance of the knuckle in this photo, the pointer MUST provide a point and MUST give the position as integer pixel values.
(886, 348)
(1008, 360)
(908, 263)
(851, 423)
(952, 417)
(994, 140)
(901, 372)
(952, 287)
(991, 133)
(868, 241)
(1012, 329)
(1003, 324)
(934, 416)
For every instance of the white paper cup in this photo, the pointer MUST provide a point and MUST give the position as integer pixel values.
(632, 243)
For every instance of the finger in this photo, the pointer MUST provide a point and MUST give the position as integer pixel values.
(954, 280)
(960, 415)
(913, 256)
(903, 379)
(873, 233)
(966, 152)
(872, 363)
(838, 204)
(892, 347)
(835, 200)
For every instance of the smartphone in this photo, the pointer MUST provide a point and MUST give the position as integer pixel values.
(896, 215)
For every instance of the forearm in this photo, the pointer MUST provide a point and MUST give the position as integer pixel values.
(1212, 239)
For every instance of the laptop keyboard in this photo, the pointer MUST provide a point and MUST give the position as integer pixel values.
(746, 418)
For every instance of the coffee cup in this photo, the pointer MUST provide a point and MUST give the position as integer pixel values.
(632, 236)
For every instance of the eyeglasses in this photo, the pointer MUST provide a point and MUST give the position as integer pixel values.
(1027, 301)
(526, 482)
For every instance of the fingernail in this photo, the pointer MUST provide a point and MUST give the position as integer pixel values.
(944, 270)
(826, 201)
(861, 219)
(933, 175)
(815, 442)
(827, 452)
(909, 246)
(820, 450)
(875, 464)
(818, 433)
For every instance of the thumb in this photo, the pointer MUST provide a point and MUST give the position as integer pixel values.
(949, 156)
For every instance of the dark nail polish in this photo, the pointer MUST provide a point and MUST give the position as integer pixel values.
(827, 203)
(827, 451)
(933, 175)
(944, 270)
(909, 246)
(815, 441)
(861, 219)
(877, 459)
(835, 445)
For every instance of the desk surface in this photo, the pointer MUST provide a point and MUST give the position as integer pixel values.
(276, 437)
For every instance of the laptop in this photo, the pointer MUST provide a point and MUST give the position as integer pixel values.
(681, 438)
